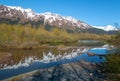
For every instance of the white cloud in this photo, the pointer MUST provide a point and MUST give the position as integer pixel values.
(106, 28)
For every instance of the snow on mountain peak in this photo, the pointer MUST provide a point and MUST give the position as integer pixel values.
(29, 12)
(50, 16)
(15, 7)
(19, 8)
(47, 17)
(69, 18)
(106, 28)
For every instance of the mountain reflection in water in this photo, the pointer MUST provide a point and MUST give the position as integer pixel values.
(50, 58)
(47, 58)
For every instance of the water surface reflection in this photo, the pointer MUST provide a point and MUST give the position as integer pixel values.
(18, 61)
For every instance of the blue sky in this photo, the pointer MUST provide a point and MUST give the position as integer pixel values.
(93, 12)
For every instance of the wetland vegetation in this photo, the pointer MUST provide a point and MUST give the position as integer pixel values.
(26, 36)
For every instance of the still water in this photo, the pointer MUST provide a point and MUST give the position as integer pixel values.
(21, 61)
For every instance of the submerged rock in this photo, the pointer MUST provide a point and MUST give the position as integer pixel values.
(77, 71)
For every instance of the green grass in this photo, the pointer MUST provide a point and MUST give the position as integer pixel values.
(112, 67)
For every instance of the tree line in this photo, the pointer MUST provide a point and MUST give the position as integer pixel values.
(27, 36)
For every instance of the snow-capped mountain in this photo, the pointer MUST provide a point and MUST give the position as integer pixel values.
(52, 18)
(107, 28)
(20, 15)
(27, 12)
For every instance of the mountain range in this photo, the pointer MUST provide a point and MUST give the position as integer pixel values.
(18, 15)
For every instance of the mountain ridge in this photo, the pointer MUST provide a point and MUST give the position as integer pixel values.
(16, 15)
(25, 15)
(107, 28)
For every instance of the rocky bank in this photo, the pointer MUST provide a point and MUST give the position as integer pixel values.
(77, 71)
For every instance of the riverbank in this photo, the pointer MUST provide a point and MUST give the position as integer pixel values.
(76, 71)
